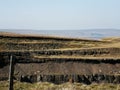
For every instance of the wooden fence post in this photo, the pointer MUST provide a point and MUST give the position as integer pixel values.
(11, 72)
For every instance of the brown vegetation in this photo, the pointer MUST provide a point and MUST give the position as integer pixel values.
(44, 55)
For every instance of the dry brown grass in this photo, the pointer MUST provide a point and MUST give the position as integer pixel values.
(66, 86)
(78, 57)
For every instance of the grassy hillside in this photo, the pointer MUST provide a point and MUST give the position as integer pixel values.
(57, 58)
(54, 46)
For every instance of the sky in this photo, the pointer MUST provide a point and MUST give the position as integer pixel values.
(59, 14)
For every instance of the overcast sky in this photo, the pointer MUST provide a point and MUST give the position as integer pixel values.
(59, 14)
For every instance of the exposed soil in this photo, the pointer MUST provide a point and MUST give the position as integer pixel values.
(57, 59)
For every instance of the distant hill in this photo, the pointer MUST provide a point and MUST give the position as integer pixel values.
(89, 33)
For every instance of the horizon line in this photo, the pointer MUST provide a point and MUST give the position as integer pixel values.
(62, 29)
